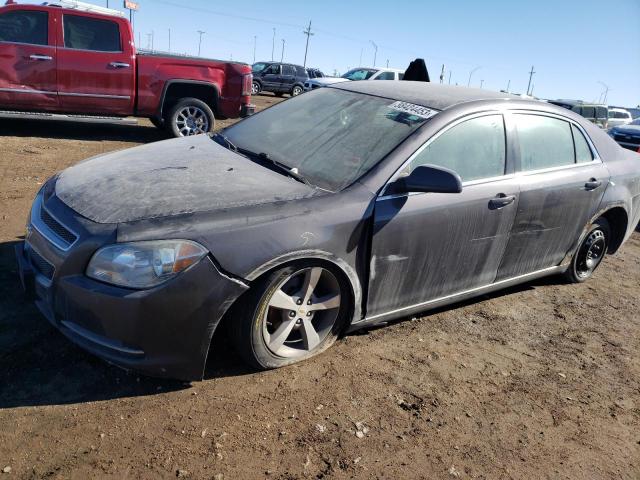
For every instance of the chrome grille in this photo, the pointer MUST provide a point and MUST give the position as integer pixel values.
(42, 265)
(56, 227)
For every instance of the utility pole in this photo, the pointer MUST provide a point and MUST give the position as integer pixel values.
(200, 32)
(169, 40)
(471, 73)
(387, 63)
(606, 91)
(360, 63)
(255, 39)
(442, 74)
(139, 40)
(148, 41)
(153, 34)
(282, 54)
(449, 77)
(375, 52)
(508, 85)
(530, 77)
(481, 83)
(308, 33)
(273, 43)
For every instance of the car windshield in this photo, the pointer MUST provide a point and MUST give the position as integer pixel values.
(331, 137)
(258, 67)
(359, 74)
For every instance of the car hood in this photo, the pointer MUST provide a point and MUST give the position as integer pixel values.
(328, 80)
(169, 178)
(627, 129)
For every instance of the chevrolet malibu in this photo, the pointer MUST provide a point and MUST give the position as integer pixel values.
(347, 207)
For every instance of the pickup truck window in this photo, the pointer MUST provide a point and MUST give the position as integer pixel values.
(85, 33)
(24, 26)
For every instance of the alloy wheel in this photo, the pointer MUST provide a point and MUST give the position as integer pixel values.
(297, 90)
(301, 312)
(192, 120)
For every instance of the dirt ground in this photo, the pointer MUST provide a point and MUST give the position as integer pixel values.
(539, 381)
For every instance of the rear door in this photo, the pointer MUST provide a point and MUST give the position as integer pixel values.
(562, 182)
(427, 246)
(27, 60)
(96, 65)
(288, 78)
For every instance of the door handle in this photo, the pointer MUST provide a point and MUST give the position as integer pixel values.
(592, 184)
(40, 57)
(501, 200)
(119, 65)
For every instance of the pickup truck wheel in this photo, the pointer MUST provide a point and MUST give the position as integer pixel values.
(297, 90)
(190, 116)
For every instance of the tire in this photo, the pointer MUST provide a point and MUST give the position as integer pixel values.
(256, 88)
(274, 325)
(188, 117)
(590, 253)
(296, 90)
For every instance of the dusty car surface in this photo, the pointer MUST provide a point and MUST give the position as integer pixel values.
(349, 206)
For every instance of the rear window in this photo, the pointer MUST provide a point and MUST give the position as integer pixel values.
(84, 33)
(25, 26)
(583, 152)
(545, 142)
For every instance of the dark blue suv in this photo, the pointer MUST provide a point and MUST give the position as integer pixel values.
(279, 78)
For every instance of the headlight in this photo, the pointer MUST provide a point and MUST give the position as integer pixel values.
(144, 264)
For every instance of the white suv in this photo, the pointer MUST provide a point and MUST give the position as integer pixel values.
(618, 116)
(361, 73)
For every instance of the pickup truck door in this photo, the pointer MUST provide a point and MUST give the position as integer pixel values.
(27, 60)
(96, 65)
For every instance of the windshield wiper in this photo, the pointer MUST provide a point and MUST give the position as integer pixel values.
(292, 172)
(227, 143)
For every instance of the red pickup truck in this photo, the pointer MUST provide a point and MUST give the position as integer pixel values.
(76, 58)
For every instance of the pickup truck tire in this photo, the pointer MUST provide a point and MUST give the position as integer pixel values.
(188, 117)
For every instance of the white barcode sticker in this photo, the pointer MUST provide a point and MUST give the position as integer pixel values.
(413, 109)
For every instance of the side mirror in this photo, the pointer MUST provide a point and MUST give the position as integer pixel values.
(428, 178)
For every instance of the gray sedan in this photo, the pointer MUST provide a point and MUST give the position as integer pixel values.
(347, 207)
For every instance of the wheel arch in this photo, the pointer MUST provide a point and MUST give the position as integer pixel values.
(618, 220)
(174, 90)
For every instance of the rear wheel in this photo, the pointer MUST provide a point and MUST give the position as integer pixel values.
(590, 252)
(297, 90)
(188, 117)
(293, 314)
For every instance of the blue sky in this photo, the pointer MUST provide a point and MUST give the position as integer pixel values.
(573, 44)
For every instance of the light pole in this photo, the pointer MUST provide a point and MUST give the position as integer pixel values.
(282, 54)
(169, 40)
(471, 73)
(255, 39)
(375, 52)
(606, 91)
(530, 77)
(360, 63)
(449, 77)
(481, 83)
(200, 32)
(273, 43)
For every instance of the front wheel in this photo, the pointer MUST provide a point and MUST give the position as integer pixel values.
(293, 314)
(255, 88)
(190, 116)
(590, 252)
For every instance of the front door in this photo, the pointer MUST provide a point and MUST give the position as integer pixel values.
(427, 245)
(561, 185)
(96, 67)
(27, 60)
(271, 78)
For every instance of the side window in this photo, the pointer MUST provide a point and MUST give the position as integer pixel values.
(301, 72)
(85, 33)
(386, 76)
(273, 69)
(24, 26)
(401, 76)
(545, 142)
(288, 70)
(474, 149)
(583, 152)
(588, 112)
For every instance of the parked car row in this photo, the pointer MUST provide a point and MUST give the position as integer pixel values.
(627, 136)
(281, 78)
(354, 75)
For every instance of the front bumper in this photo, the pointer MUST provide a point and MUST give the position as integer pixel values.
(164, 331)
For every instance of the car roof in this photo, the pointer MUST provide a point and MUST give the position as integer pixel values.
(563, 101)
(427, 94)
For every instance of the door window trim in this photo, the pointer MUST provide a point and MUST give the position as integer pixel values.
(396, 174)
